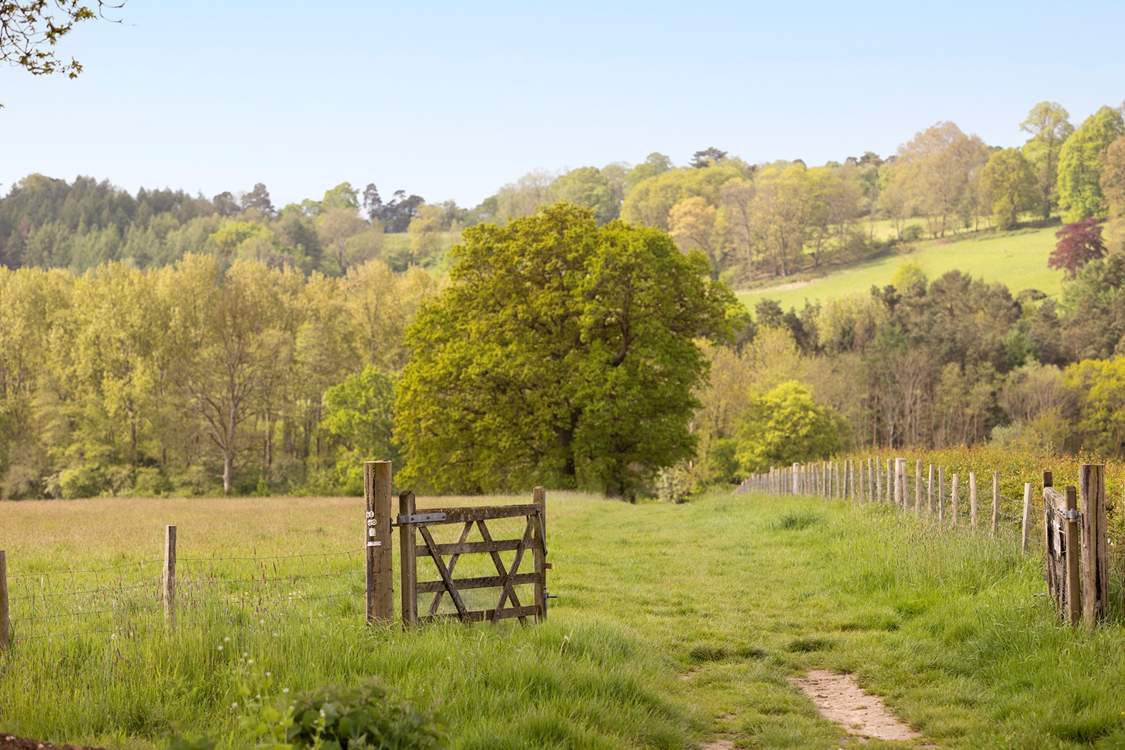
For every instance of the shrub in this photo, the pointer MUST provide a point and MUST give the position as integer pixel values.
(363, 716)
(84, 480)
(785, 426)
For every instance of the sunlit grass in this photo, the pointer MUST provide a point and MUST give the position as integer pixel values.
(674, 623)
(1017, 259)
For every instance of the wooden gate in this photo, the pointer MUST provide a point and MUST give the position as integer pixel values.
(1074, 528)
(1060, 526)
(529, 540)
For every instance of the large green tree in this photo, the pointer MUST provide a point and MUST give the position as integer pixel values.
(560, 353)
(1049, 126)
(1080, 164)
(1008, 185)
(784, 426)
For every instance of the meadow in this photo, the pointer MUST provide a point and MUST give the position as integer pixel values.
(1017, 259)
(674, 625)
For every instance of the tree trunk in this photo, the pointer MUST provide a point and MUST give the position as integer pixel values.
(228, 471)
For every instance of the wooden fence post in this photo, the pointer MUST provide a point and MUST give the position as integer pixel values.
(1025, 534)
(377, 495)
(954, 491)
(900, 483)
(917, 486)
(890, 481)
(930, 490)
(973, 500)
(1073, 543)
(940, 492)
(408, 561)
(5, 617)
(539, 553)
(995, 503)
(169, 578)
(1091, 493)
(796, 471)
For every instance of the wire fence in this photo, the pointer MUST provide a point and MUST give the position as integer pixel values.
(956, 499)
(133, 598)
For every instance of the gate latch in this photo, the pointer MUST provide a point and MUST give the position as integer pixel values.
(1071, 515)
(409, 518)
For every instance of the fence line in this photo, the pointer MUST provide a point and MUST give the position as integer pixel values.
(1075, 535)
(32, 620)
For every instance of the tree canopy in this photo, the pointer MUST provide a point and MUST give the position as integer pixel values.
(1080, 164)
(561, 353)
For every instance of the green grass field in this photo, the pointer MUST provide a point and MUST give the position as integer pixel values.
(1018, 259)
(675, 625)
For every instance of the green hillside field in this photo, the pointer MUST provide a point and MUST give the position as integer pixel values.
(1017, 258)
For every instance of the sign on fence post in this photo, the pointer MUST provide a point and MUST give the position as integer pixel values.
(377, 540)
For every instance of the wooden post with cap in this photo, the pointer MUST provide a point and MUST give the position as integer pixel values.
(377, 541)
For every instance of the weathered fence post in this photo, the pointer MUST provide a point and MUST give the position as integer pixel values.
(917, 487)
(940, 492)
(930, 490)
(408, 561)
(169, 579)
(954, 492)
(5, 617)
(539, 553)
(377, 495)
(900, 483)
(1091, 492)
(1073, 543)
(973, 500)
(995, 503)
(1025, 533)
(796, 479)
(890, 481)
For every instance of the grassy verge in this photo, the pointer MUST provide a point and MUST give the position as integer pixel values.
(674, 624)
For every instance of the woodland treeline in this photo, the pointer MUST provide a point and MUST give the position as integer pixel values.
(752, 221)
(196, 377)
(164, 343)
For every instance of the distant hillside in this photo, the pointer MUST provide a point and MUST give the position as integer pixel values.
(1017, 258)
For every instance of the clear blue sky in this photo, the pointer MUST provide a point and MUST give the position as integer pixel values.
(451, 100)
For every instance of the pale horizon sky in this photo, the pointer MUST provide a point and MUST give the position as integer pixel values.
(451, 101)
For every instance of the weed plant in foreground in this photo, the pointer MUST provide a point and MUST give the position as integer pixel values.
(675, 624)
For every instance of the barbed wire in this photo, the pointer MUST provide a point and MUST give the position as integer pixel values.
(70, 614)
(81, 592)
(189, 580)
(338, 553)
(57, 572)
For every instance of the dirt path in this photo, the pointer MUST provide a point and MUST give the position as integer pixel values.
(839, 698)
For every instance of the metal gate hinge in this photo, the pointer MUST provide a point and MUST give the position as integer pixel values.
(1071, 515)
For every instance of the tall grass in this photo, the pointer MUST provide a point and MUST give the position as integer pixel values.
(675, 624)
